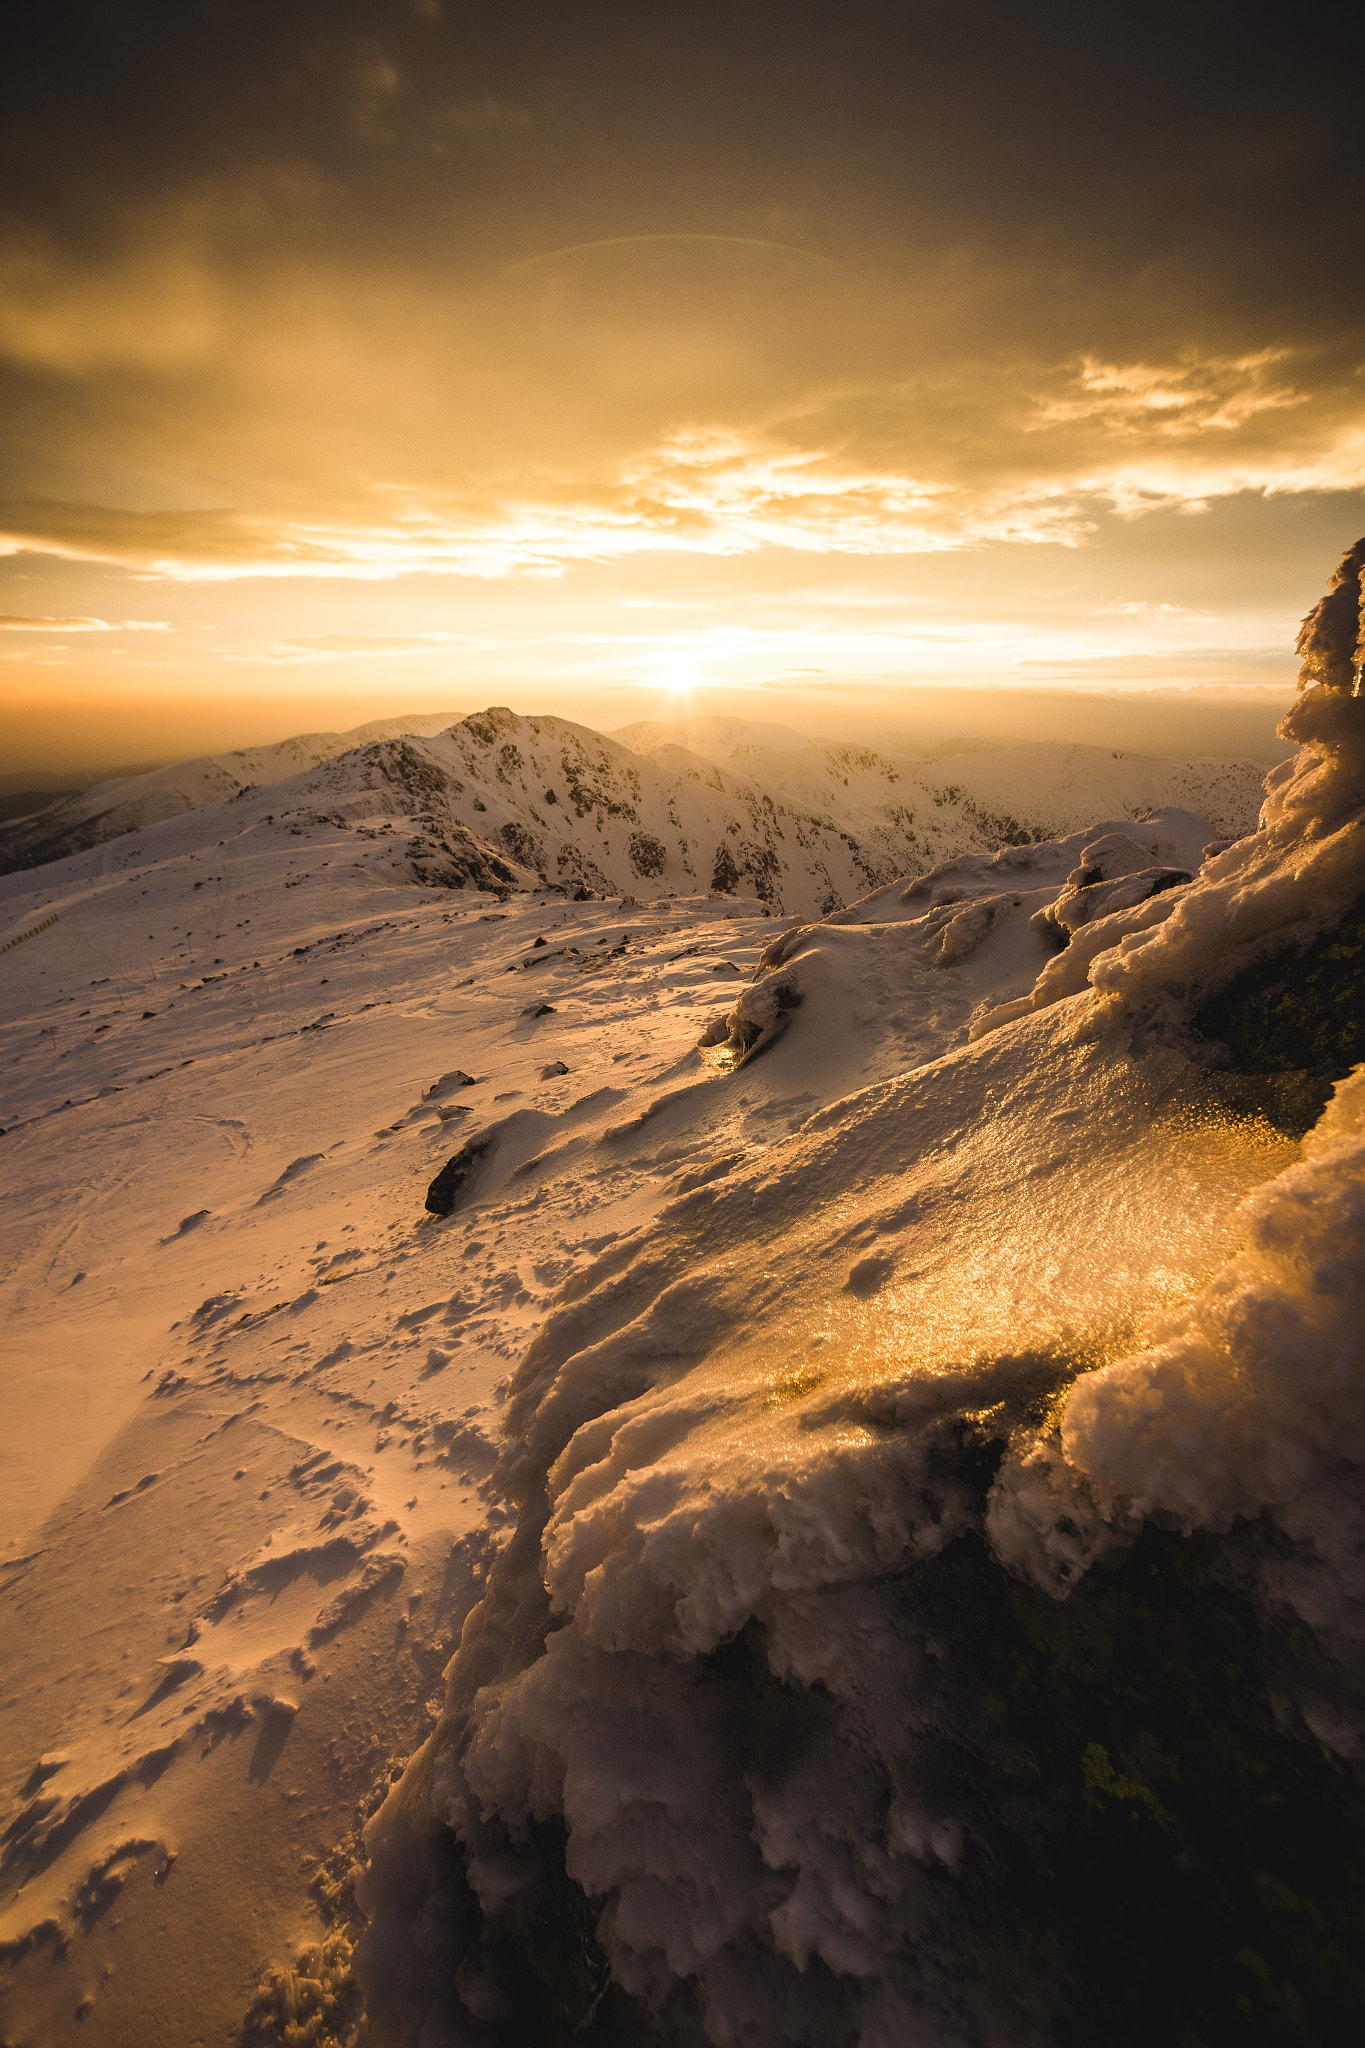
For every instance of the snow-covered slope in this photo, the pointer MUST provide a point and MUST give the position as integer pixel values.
(251, 1387)
(129, 803)
(674, 1515)
(746, 1662)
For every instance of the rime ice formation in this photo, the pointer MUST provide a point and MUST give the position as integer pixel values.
(1278, 887)
(1250, 1396)
(1333, 634)
(780, 1458)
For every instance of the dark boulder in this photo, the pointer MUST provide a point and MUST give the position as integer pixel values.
(444, 1191)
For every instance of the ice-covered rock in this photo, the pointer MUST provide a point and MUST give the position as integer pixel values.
(1251, 1397)
(1276, 890)
(1115, 873)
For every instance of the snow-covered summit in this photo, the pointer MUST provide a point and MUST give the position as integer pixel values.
(525, 802)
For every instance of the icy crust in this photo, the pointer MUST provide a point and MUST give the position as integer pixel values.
(1250, 1397)
(1278, 888)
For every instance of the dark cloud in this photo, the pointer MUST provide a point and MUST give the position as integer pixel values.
(1201, 144)
(1026, 334)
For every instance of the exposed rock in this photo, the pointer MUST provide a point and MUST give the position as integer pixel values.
(448, 1085)
(445, 1190)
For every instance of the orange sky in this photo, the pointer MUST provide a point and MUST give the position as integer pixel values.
(604, 360)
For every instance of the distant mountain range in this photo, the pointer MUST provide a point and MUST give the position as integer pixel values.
(713, 804)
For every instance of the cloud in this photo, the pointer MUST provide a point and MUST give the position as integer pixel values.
(383, 643)
(1194, 395)
(328, 647)
(12, 622)
(162, 540)
(1140, 608)
(77, 319)
(871, 472)
(729, 493)
(700, 491)
(270, 320)
(480, 115)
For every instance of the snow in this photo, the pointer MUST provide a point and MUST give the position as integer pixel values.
(130, 803)
(723, 1437)
(503, 801)
(738, 1417)
(760, 1203)
(1249, 1396)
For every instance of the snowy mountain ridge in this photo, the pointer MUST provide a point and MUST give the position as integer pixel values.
(522, 802)
(109, 810)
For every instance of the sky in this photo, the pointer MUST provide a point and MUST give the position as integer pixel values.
(632, 360)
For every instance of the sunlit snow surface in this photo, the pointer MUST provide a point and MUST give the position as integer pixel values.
(700, 1345)
(252, 1390)
(761, 1410)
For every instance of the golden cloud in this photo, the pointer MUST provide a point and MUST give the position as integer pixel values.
(14, 622)
(1125, 438)
(306, 648)
(1194, 395)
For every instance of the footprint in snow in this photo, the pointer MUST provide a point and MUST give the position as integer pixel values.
(868, 1275)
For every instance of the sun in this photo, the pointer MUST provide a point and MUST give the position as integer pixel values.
(677, 676)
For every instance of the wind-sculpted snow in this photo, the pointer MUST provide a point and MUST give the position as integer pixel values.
(925, 961)
(1278, 887)
(753, 1683)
